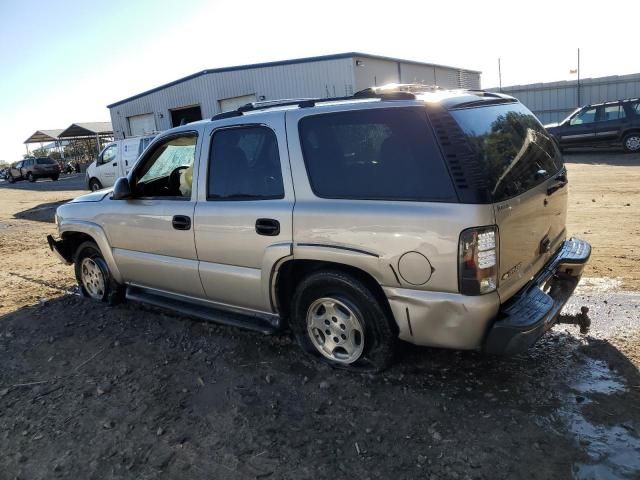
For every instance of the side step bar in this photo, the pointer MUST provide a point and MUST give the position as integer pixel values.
(266, 324)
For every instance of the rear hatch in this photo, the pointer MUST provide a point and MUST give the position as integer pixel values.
(526, 182)
(46, 164)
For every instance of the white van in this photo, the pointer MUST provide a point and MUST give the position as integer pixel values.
(115, 160)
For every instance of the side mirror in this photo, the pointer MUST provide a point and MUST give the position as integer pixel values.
(121, 189)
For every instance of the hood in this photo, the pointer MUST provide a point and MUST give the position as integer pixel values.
(93, 196)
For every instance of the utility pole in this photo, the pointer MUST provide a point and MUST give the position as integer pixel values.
(500, 74)
(579, 103)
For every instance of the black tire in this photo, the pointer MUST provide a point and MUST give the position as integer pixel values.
(379, 336)
(30, 177)
(111, 292)
(10, 179)
(631, 142)
(55, 178)
(94, 185)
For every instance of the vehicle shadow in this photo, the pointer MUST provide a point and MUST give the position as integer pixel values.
(45, 212)
(168, 393)
(602, 157)
(64, 183)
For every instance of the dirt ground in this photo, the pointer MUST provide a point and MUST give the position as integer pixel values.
(90, 391)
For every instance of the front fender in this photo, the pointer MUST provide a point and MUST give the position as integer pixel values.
(96, 232)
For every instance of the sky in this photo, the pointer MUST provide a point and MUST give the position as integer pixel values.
(63, 62)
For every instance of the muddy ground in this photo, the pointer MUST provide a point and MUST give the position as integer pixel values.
(89, 391)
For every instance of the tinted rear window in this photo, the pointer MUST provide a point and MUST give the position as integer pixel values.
(515, 151)
(376, 154)
(46, 161)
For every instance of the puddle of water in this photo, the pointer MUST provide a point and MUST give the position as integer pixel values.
(613, 452)
(598, 284)
(598, 378)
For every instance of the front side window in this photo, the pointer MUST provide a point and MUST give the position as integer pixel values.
(167, 170)
(585, 116)
(244, 164)
(514, 150)
(374, 154)
(613, 112)
(109, 154)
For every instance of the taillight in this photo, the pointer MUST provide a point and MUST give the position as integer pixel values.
(478, 260)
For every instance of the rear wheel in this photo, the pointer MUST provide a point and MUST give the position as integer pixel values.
(94, 185)
(631, 142)
(93, 275)
(336, 316)
(30, 177)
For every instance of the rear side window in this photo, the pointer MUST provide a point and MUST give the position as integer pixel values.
(244, 164)
(613, 112)
(514, 150)
(377, 154)
(45, 161)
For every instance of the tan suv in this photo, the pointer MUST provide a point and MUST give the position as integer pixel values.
(433, 217)
(34, 168)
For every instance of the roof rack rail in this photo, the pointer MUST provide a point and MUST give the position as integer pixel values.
(393, 91)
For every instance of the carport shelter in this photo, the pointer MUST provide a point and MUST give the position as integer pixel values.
(45, 136)
(101, 132)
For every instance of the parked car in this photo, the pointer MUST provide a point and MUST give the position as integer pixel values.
(34, 168)
(434, 217)
(601, 125)
(115, 160)
(4, 173)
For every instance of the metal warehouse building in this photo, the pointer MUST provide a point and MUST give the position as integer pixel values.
(209, 92)
(554, 101)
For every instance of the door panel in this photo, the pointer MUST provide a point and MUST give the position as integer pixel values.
(148, 248)
(236, 261)
(581, 128)
(107, 165)
(612, 119)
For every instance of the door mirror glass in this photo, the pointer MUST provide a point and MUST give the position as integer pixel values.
(121, 189)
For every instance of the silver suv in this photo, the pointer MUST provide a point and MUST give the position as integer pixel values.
(433, 217)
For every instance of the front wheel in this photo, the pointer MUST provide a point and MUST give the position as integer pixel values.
(10, 179)
(631, 142)
(94, 185)
(336, 316)
(30, 177)
(93, 276)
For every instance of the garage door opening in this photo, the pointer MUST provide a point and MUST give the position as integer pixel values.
(228, 104)
(182, 116)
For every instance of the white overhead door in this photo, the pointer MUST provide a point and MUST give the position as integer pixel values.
(142, 124)
(228, 104)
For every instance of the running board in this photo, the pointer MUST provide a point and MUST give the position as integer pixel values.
(263, 323)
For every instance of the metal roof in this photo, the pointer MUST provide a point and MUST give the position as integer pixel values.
(87, 129)
(40, 136)
(281, 63)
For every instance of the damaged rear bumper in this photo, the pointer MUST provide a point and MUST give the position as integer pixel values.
(535, 308)
(62, 249)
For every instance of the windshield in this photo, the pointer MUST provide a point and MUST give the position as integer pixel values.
(515, 150)
(570, 115)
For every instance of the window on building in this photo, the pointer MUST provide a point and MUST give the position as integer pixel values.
(244, 164)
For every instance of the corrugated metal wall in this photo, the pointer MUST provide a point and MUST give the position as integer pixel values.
(552, 102)
(373, 71)
(317, 79)
(314, 79)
